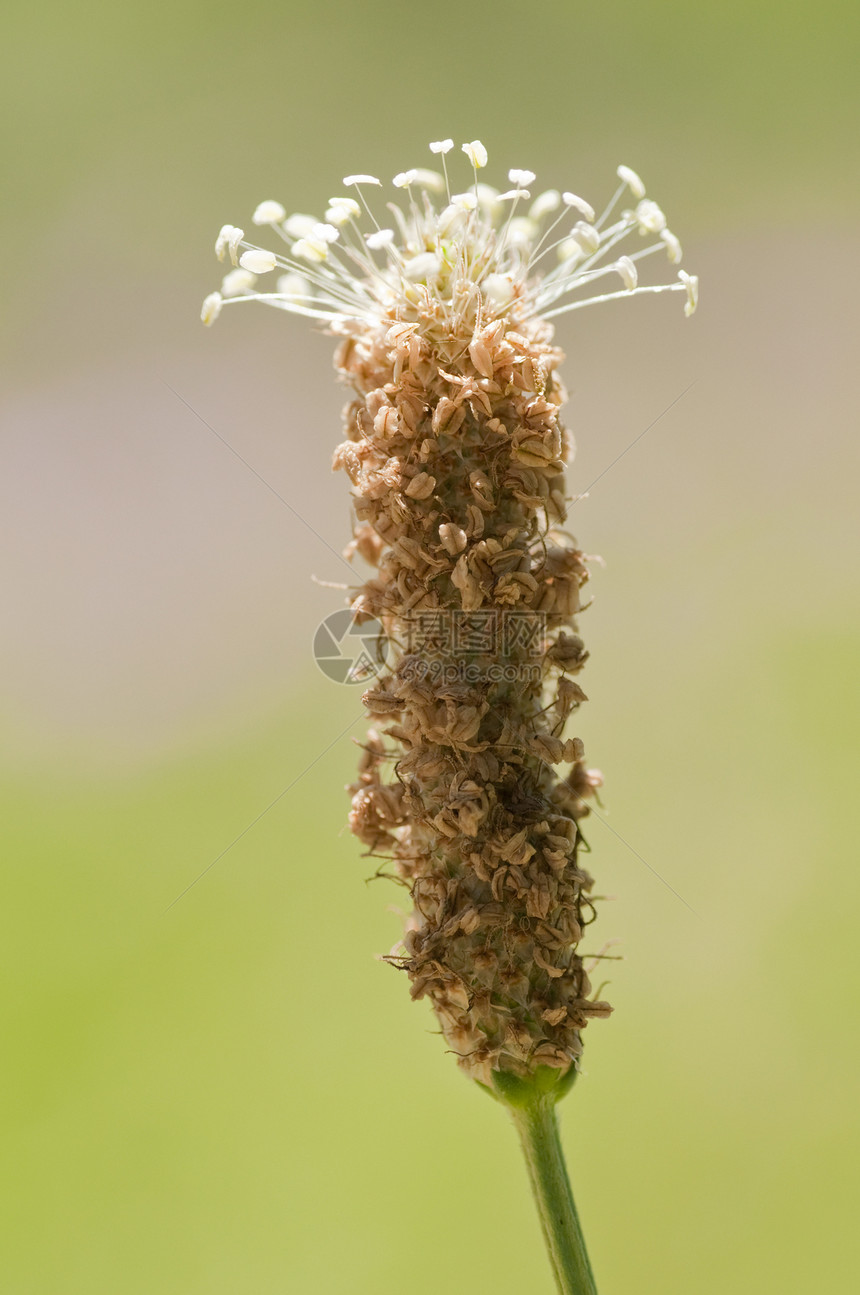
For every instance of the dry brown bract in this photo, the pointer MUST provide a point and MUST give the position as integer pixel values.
(455, 453)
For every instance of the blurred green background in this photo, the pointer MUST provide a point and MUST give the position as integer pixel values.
(231, 1095)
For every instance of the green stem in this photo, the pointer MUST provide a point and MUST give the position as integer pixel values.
(537, 1126)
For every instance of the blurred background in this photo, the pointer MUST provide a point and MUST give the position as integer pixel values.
(228, 1094)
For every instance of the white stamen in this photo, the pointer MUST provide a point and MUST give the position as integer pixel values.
(488, 199)
(258, 261)
(583, 207)
(442, 146)
(314, 250)
(476, 153)
(544, 203)
(430, 179)
(326, 233)
(649, 217)
(237, 283)
(570, 250)
(342, 210)
(380, 238)
(299, 225)
(211, 308)
(628, 272)
(449, 218)
(228, 241)
(521, 231)
(293, 285)
(673, 246)
(269, 213)
(586, 235)
(474, 256)
(499, 288)
(691, 283)
(631, 179)
(425, 267)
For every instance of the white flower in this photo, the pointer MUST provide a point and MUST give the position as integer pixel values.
(269, 213)
(453, 262)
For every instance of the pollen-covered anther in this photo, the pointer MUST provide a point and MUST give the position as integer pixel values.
(632, 180)
(300, 225)
(258, 260)
(425, 266)
(499, 288)
(672, 244)
(293, 285)
(238, 282)
(544, 204)
(586, 236)
(380, 238)
(349, 180)
(628, 272)
(579, 204)
(649, 217)
(211, 308)
(341, 210)
(442, 146)
(476, 153)
(522, 179)
(691, 283)
(404, 179)
(269, 213)
(228, 240)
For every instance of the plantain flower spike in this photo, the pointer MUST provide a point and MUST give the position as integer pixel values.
(456, 455)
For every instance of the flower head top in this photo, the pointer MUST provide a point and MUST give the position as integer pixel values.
(451, 261)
